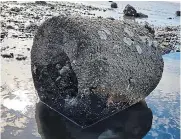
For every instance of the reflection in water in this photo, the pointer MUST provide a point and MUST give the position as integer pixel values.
(129, 18)
(165, 101)
(131, 123)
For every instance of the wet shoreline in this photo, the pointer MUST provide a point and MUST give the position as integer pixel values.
(18, 29)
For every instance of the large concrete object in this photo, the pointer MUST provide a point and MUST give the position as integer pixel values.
(88, 69)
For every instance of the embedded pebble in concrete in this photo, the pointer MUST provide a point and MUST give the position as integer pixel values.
(117, 49)
(129, 32)
(106, 30)
(102, 34)
(128, 41)
(138, 48)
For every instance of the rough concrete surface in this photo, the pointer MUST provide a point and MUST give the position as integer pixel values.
(90, 68)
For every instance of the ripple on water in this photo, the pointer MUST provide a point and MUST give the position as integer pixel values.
(165, 101)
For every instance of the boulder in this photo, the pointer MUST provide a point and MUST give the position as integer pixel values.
(141, 15)
(21, 57)
(114, 5)
(15, 9)
(177, 50)
(3, 34)
(130, 11)
(11, 55)
(52, 7)
(178, 13)
(90, 68)
(10, 27)
(40, 2)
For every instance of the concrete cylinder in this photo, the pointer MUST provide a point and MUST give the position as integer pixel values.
(88, 68)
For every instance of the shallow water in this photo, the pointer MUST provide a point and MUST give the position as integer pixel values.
(165, 101)
(157, 11)
(18, 103)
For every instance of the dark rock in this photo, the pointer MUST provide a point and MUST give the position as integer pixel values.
(3, 24)
(111, 18)
(15, 21)
(169, 18)
(178, 13)
(28, 35)
(40, 2)
(177, 50)
(130, 11)
(36, 17)
(167, 51)
(4, 6)
(88, 68)
(3, 35)
(141, 15)
(168, 28)
(21, 57)
(4, 48)
(52, 7)
(63, 5)
(114, 5)
(110, 1)
(89, 7)
(150, 29)
(11, 55)
(10, 27)
(15, 36)
(22, 36)
(28, 49)
(15, 9)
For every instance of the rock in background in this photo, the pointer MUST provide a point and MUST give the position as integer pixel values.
(168, 39)
(21, 20)
(89, 68)
(131, 11)
(177, 13)
(114, 5)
